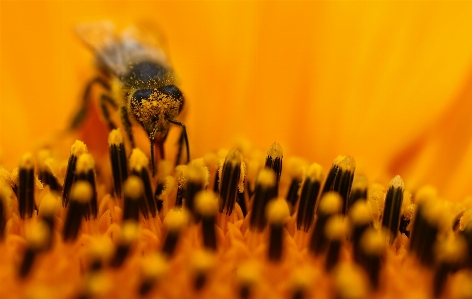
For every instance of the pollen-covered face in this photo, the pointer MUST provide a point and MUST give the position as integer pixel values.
(153, 108)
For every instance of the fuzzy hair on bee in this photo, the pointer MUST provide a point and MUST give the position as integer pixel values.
(138, 81)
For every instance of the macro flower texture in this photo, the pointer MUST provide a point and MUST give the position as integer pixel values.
(236, 150)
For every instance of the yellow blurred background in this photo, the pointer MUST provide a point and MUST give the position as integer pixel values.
(386, 82)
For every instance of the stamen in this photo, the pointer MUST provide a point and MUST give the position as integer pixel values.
(301, 282)
(129, 232)
(5, 197)
(277, 214)
(26, 204)
(206, 205)
(335, 231)
(340, 178)
(175, 222)
(201, 264)
(296, 172)
(330, 204)
(308, 197)
(77, 149)
(181, 177)
(360, 216)
(358, 191)
(407, 217)
(85, 171)
(80, 196)
(372, 252)
(274, 161)
(133, 191)
(248, 276)
(47, 211)
(153, 268)
(197, 180)
(160, 189)
(430, 218)
(47, 173)
(467, 235)
(37, 241)
(231, 180)
(266, 185)
(393, 205)
(138, 163)
(98, 254)
(450, 254)
(349, 282)
(118, 159)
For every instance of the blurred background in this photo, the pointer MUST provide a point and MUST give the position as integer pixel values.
(388, 83)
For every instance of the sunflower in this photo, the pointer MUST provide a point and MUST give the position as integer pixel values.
(385, 82)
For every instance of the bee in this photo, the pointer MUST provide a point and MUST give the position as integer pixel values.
(140, 83)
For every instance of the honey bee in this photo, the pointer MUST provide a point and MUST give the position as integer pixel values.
(139, 82)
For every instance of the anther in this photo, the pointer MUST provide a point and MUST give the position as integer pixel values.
(138, 163)
(231, 180)
(393, 205)
(153, 269)
(47, 212)
(450, 254)
(85, 171)
(274, 161)
(129, 232)
(372, 252)
(265, 190)
(98, 254)
(77, 149)
(46, 171)
(340, 178)
(248, 276)
(358, 190)
(467, 235)
(119, 163)
(295, 170)
(206, 205)
(81, 194)
(202, 263)
(181, 177)
(37, 241)
(335, 231)
(197, 180)
(349, 282)
(277, 215)
(26, 203)
(5, 196)
(361, 219)
(309, 196)
(133, 191)
(330, 204)
(429, 219)
(175, 221)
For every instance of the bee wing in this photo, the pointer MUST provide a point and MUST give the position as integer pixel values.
(102, 39)
(143, 40)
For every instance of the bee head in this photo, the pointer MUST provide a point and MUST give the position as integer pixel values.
(153, 108)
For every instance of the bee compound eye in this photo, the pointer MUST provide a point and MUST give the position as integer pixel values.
(143, 94)
(173, 92)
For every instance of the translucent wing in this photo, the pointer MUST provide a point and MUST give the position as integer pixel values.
(141, 41)
(101, 38)
(118, 51)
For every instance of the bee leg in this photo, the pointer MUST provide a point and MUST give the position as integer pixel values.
(179, 152)
(185, 138)
(104, 99)
(127, 124)
(80, 116)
